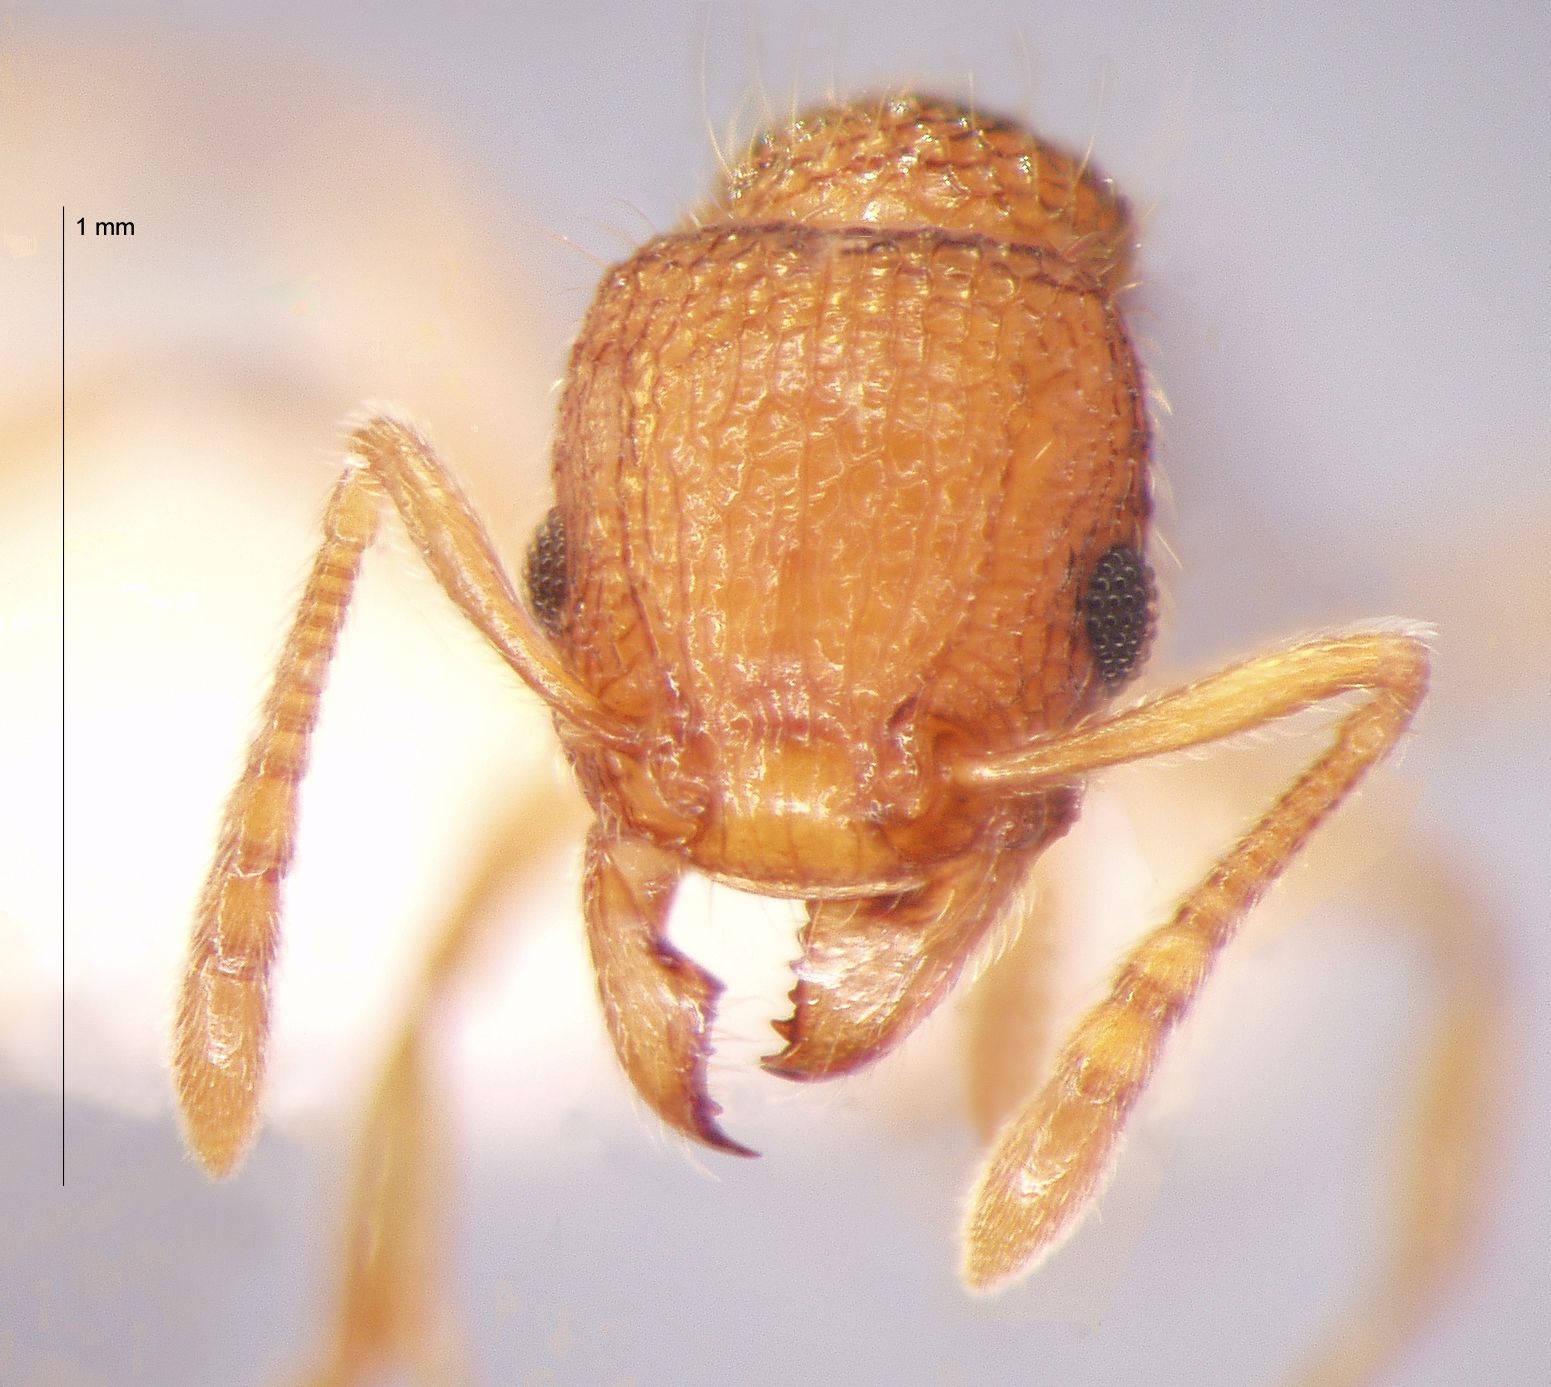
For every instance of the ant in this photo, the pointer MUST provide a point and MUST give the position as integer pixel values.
(846, 570)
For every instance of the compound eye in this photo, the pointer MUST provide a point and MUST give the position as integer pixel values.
(1117, 613)
(544, 571)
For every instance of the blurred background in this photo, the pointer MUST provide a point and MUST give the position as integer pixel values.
(1343, 298)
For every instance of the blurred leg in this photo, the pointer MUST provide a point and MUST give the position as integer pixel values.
(394, 1307)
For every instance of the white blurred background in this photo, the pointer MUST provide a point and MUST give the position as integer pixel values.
(1344, 297)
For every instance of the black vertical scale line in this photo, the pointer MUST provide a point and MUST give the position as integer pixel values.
(63, 721)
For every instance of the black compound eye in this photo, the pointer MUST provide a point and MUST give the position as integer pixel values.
(1117, 610)
(544, 571)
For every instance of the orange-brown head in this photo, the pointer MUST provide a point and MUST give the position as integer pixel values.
(836, 469)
